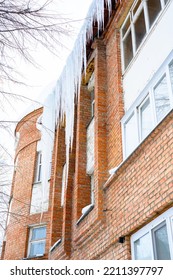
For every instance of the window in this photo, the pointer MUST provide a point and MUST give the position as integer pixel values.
(63, 184)
(137, 25)
(171, 74)
(38, 167)
(154, 8)
(140, 28)
(160, 242)
(92, 188)
(150, 108)
(131, 137)
(161, 97)
(90, 128)
(90, 148)
(145, 116)
(92, 104)
(37, 241)
(90, 87)
(128, 49)
(142, 248)
(154, 241)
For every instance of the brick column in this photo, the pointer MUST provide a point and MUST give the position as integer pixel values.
(115, 102)
(82, 180)
(100, 168)
(57, 163)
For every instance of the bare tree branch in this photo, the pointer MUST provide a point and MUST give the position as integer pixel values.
(24, 25)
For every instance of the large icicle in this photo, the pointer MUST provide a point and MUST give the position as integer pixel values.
(68, 85)
(47, 142)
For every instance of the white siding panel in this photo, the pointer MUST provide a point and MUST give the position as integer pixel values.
(152, 53)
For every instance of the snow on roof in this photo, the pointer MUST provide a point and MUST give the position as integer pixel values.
(38, 104)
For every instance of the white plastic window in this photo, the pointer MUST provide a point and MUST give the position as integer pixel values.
(92, 188)
(161, 97)
(92, 104)
(155, 240)
(152, 105)
(145, 115)
(63, 187)
(90, 148)
(131, 135)
(38, 168)
(142, 248)
(154, 8)
(161, 242)
(139, 28)
(137, 25)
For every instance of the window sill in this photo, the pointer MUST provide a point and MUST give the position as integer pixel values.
(86, 210)
(34, 257)
(56, 244)
(36, 183)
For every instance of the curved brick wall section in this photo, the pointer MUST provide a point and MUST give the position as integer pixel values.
(27, 130)
(20, 219)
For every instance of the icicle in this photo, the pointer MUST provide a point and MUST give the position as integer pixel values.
(67, 88)
(109, 5)
(47, 142)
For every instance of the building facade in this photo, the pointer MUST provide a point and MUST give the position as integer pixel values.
(112, 196)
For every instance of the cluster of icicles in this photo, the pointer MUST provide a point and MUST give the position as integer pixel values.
(67, 88)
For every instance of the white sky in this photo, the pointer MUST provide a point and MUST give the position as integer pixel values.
(51, 67)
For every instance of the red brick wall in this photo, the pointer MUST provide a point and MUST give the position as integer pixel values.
(20, 218)
(140, 190)
(61, 217)
(81, 180)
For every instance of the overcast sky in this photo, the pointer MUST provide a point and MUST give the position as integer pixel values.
(50, 66)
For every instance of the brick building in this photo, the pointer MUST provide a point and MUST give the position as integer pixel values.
(111, 197)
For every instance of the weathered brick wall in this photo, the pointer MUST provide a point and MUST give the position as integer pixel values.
(140, 190)
(61, 216)
(27, 130)
(20, 218)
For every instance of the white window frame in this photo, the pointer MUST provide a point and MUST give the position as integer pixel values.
(38, 168)
(63, 186)
(92, 188)
(157, 84)
(90, 154)
(166, 217)
(133, 18)
(92, 104)
(140, 137)
(129, 116)
(148, 92)
(35, 241)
